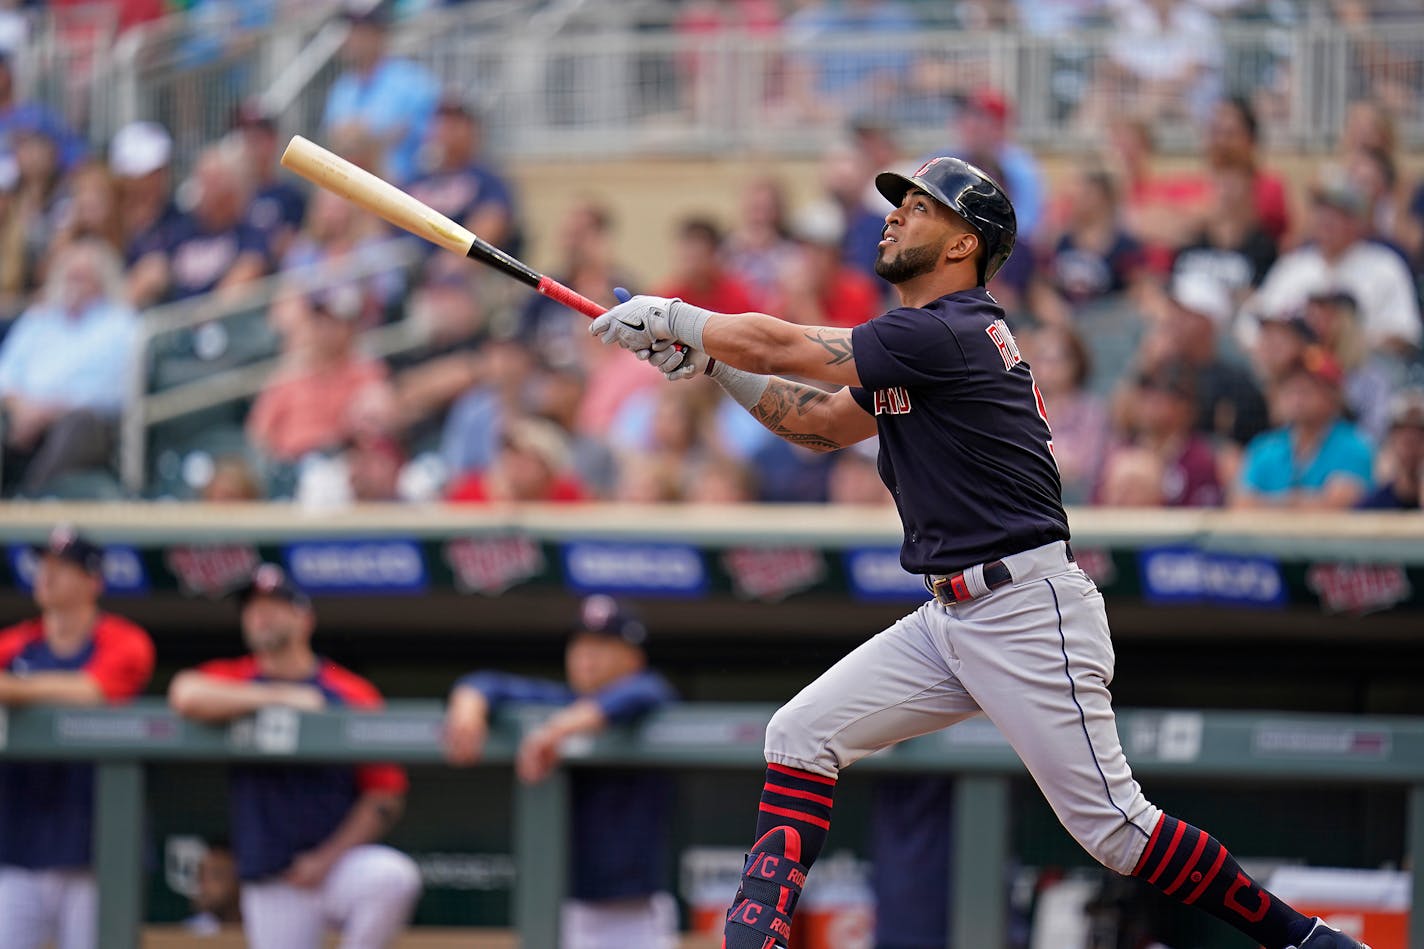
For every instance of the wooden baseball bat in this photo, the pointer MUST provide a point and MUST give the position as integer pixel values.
(328, 170)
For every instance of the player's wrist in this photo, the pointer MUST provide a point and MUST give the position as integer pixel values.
(745, 388)
(686, 322)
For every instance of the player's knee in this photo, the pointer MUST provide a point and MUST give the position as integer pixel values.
(396, 878)
(1116, 846)
(792, 740)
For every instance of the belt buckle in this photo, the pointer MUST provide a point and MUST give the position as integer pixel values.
(950, 589)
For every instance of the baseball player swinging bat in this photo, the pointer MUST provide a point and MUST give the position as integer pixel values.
(328, 170)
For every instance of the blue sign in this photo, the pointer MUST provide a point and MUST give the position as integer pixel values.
(875, 573)
(644, 569)
(1188, 575)
(375, 566)
(124, 574)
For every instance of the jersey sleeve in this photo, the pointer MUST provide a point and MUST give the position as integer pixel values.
(122, 662)
(634, 695)
(237, 670)
(14, 639)
(906, 347)
(499, 688)
(358, 693)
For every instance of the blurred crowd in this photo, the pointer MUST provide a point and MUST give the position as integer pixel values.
(1205, 332)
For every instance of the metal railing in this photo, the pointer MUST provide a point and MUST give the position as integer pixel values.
(231, 383)
(1168, 745)
(605, 80)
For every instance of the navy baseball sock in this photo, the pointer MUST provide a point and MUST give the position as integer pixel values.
(792, 823)
(1192, 867)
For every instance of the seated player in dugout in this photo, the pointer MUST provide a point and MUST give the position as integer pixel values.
(619, 818)
(305, 836)
(71, 654)
(1013, 628)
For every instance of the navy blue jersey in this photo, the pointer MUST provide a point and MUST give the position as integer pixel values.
(47, 808)
(965, 447)
(280, 811)
(619, 818)
(198, 258)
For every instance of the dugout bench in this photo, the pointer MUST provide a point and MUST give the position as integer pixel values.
(1311, 749)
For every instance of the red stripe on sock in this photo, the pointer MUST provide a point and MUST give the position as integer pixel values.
(804, 795)
(1171, 849)
(1202, 838)
(797, 773)
(820, 822)
(1210, 875)
(1151, 842)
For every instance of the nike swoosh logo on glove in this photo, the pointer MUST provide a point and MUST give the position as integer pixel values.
(637, 326)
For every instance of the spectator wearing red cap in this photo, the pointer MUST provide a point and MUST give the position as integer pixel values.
(1316, 460)
(983, 136)
(71, 654)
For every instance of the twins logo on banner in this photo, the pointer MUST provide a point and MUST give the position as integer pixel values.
(1189, 575)
(123, 569)
(376, 566)
(648, 569)
(491, 565)
(875, 574)
(210, 570)
(773, 573)
(1358, 588)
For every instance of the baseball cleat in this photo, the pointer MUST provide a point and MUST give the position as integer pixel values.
(772, 878)
(1322, 936)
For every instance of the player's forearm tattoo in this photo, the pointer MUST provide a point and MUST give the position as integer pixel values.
(834, 342)
(784, 401)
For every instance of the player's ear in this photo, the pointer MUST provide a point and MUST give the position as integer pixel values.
(962, 246)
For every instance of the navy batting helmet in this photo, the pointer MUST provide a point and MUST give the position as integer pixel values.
(972, 195)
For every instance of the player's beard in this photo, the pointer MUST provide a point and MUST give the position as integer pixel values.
(908, 263)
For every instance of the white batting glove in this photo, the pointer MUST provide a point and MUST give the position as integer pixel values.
(636, 324)
(675, 362)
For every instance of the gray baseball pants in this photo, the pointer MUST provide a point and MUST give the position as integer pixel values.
(1035, 656)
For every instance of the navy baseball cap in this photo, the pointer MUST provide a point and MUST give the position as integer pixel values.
(66, 543)
(604, 616)
(268, 579)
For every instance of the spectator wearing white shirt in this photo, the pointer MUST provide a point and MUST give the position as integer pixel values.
(1340, 257)
(64, 370)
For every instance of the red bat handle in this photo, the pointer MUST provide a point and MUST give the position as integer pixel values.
(559, 293)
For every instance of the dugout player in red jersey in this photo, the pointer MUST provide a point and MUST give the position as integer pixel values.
(71, 654)
(1014, 629)
(304, 835)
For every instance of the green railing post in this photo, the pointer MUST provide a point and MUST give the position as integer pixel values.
(541, 856)
(1416, 866)
(980, 861)
(118, 854)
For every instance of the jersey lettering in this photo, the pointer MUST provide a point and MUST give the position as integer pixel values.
(1008, 348)
(1043, 414)
(894, 401)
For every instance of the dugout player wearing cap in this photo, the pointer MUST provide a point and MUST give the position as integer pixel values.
(304, 835)
(71, 654)
(619, 818)
(1014, 629)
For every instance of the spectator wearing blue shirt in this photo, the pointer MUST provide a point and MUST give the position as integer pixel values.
(64, 369)
(210, 248)
(1316, 460)
(461, 186)
(139, 156)
(983, 136)
(278, 205)
(1402, 455)
(392, 99)
(616, 891)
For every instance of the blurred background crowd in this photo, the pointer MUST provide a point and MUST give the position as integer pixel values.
(1220, 305)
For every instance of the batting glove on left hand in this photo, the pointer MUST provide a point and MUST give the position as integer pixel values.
(636, 324)
(676, 362)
